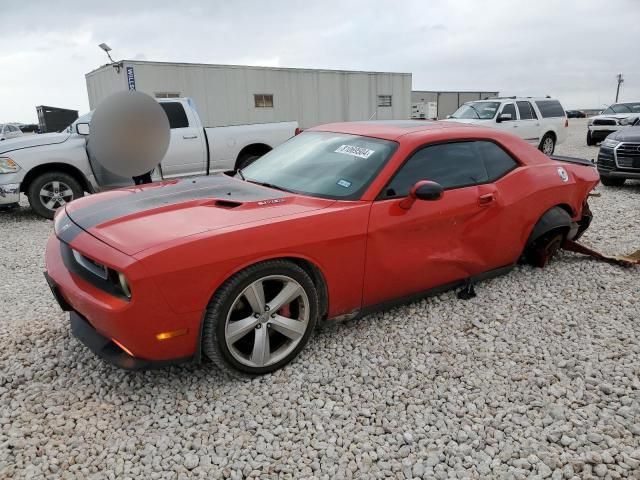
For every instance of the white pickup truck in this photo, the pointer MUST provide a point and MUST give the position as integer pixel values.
(52, 169)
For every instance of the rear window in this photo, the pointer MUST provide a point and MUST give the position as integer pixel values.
(176, 114)
(550, 108)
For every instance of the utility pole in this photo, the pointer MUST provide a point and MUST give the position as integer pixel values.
(620, 80)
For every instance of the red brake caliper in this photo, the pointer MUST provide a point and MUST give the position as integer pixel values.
(285, 311)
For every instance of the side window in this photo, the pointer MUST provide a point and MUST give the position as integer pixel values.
(176, 114)
(526, 111)
(550, 108)
(452, 165)
(509, 108)
(496, 161)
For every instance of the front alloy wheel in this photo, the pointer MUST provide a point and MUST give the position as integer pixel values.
(260, 333)
(55, 194)
(260, 318)
(52, 190)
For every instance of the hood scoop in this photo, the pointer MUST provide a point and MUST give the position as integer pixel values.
(228, 204)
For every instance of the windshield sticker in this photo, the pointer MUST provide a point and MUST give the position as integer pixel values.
(355, 151)
(344, 183)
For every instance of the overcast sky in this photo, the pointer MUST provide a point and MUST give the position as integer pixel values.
(569, 49)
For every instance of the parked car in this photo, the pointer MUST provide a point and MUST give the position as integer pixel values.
(8, 131)
(575, 114)
(619, 156)
(614, 118)
(339, 221)
(541, 122)
(55, 168)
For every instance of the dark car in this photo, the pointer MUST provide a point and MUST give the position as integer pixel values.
(619, 156)
(575, 114)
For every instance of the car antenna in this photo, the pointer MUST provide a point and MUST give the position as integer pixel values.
(373, 115)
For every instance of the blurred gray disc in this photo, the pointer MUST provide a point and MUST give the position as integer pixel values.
(129, 133)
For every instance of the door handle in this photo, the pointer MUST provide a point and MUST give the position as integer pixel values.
(486, 199)
(189, 137)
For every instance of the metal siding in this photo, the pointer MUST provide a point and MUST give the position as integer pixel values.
(447, 103)
(418, 96)
(223, 95)
(468, 97)
(104, 82)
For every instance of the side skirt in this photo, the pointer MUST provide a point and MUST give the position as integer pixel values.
(424, 294)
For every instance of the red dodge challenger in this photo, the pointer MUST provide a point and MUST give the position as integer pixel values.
(341, 220)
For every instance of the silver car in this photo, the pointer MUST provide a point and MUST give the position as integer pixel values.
(9, 131)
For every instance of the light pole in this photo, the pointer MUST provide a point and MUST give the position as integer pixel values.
(620, 80)
(106, 49)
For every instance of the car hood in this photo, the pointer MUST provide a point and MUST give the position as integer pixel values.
(137, 218)
(616, 116)
(629, 134)
(468, 120)
(28, 141)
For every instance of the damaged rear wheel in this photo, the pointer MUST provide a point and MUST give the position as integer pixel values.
(540, 253)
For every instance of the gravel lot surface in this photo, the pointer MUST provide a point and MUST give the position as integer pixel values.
(536, 377)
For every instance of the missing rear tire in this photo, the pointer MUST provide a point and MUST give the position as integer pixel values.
(545, 248)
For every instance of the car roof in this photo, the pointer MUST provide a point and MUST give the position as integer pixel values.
(513, 99)
(388, 129)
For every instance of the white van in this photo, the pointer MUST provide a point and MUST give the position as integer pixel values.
(539, 121)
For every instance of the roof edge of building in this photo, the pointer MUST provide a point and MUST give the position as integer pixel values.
(255, 67)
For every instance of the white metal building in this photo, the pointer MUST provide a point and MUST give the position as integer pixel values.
(234, 94)
(448, 102)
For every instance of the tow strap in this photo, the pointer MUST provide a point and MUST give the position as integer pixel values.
(624, 260)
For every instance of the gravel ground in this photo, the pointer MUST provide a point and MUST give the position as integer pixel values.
(536, 377)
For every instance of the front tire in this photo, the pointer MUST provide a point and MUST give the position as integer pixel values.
(590, 141)
(612, 181)
(260, 319)
(52, 190)
(547, 144)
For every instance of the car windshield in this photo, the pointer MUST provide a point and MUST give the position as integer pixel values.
(623, 108)
(86, 118)
(322, 164)
(477, 110)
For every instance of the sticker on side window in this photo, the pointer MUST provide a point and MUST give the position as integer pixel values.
(355, 151)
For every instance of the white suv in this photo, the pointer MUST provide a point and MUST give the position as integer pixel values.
(539, 121)
(614, 118)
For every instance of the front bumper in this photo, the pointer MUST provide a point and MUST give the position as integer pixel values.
(121, 332)
(9, 193)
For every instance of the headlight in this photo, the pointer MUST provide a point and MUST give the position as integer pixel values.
(627, 120)
(8, 166)
(124, 285)
(103, 277)
(610, 143)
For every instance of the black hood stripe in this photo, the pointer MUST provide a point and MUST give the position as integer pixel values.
(218, 186)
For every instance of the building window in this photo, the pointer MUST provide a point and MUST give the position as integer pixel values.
(167, 94)
(263, 100)
(384, 100)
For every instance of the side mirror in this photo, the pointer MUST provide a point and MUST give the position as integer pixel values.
(448, 116)
(503, 117)
(422, 190)
(82, 128)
